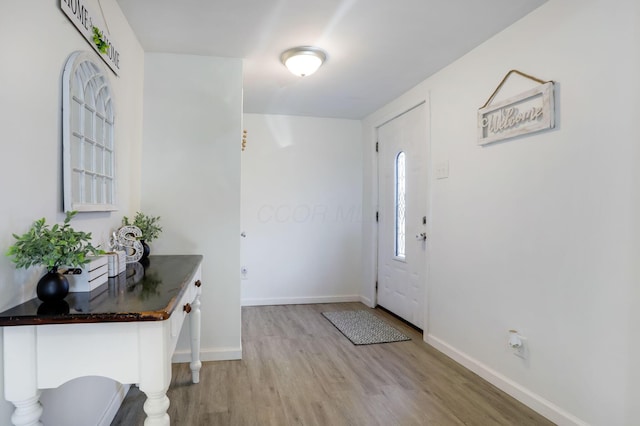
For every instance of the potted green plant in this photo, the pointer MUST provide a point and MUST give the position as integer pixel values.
(149, 227)
(52, 247)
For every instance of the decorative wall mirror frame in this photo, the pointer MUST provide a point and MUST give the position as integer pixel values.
(87, 136)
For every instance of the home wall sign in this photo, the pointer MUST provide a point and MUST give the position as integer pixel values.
(527, 112)
(84, 20)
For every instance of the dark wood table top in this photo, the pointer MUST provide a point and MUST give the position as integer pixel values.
(146, 291)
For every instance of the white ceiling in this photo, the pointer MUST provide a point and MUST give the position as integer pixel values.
(377, 49)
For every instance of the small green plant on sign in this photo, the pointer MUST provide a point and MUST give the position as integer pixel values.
(99, 41)
(52, 247)
(147, 224)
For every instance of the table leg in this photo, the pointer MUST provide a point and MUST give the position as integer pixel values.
(27, 412)
(20, 375)
(194, 328)
(155, 371)
(156, 407)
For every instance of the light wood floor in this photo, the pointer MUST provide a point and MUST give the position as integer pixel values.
(297, 369)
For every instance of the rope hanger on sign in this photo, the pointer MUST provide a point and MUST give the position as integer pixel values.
(103, 18)
(504, 80)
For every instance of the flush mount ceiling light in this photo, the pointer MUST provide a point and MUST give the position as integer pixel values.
(303, 60)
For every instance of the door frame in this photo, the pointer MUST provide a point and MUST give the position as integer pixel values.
(391, 113)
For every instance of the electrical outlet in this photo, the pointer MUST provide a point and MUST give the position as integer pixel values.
(521, 352)
(517, 344)
(244, 272)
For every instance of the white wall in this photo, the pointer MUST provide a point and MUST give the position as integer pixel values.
(191, 179)
(37, 40)
(301, 210)
(540, 233)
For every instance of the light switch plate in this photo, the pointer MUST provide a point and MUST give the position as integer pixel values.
(442, 169)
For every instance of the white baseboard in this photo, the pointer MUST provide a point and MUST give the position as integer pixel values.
(367, 301)
(209, 354)
(534, 401)
(300, 300)
(114, 405)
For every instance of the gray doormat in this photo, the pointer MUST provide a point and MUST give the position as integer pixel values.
(364, 328)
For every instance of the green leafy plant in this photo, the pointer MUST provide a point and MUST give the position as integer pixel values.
(147, 224)
(52, 247)
(99, 41)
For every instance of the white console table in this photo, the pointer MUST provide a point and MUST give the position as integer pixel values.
(125, 330)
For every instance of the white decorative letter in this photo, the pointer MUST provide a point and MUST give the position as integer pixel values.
(128, 238)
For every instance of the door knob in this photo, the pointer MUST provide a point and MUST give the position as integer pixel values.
(422, 236)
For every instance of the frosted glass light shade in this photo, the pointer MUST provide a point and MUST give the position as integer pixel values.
(303, 61)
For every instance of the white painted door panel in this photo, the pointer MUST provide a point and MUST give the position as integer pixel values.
(402, 279)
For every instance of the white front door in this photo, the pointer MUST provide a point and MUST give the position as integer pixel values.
(402, 199)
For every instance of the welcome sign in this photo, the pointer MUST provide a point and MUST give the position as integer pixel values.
(519, 115)
(82, 18)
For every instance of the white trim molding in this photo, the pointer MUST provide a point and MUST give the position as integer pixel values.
(114, 405)
(367, 301)
(209, 354)
(532, 400)
(300, 300)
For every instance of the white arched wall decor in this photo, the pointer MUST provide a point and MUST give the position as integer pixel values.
(87, 136)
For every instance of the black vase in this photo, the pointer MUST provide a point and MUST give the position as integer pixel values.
(146, 250)
(52, 286)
